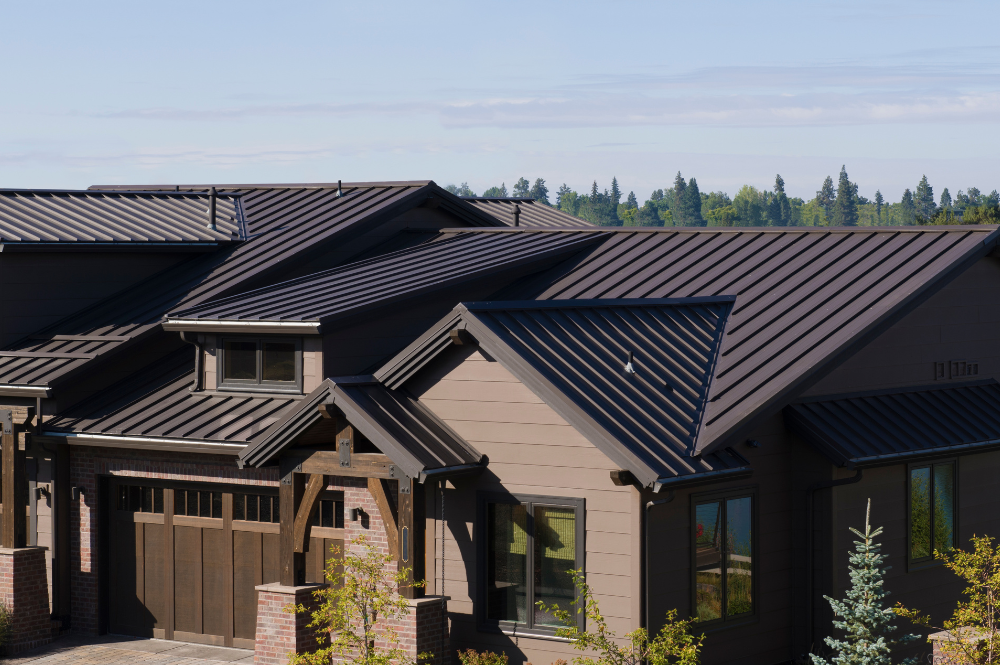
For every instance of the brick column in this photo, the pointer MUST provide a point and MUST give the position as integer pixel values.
(24, 589)
(278, 632)
(941, 657)
(426, 631)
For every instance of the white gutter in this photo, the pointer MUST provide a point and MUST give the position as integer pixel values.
(216, 325)
(148, 443)
(15, 390)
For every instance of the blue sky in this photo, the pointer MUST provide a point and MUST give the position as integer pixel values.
(485, 92)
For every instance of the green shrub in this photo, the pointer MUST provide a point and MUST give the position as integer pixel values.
(6, 627)
(472, 657)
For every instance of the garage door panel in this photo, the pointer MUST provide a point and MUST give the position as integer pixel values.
(187, 579)
(215, 589)
(271, 565)
(154, 570)
(246, 575)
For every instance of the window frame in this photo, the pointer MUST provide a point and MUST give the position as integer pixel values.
(726, 621)
(529, 501)
(929, 561)
(258, 385)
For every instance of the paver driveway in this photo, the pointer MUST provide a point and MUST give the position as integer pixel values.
(115, 650)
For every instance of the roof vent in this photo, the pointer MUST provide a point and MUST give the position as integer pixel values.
(628, 366)
(517, 215)
(211, 208)
(340, 192)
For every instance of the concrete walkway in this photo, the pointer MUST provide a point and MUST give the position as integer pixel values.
(118, 650)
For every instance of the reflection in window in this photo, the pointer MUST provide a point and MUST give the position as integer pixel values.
(723, 532)
(240, 360)
(278, 361)
(506, 565)
(555, 558)
(932, 510)
(249, 362)
(138, 499)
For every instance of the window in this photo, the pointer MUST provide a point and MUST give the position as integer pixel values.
(256, 508)
(329, 513)
(724, 556)
(531, 545)
(248, 363)
(197, 503)
(932, 509)
(136, 499)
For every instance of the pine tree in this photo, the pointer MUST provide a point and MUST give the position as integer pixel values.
(564, 189)
(496, 192)
(522, 188)
(691, 203)
(878, 205)
(845, 208)
(779, 209)
(631, 201)
(945, 198)
(539, 191)
(923, 199)
(616, 193)
(825, 196)
(867, 623)
(677, 207)
(907, 207)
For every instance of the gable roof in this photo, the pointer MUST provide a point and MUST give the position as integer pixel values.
(884, 426)
(410, 435)
(806, 297)
(573, 355)
(534, 214)
(283, 227)
(39, 219)
(156, 407)
(446, 260)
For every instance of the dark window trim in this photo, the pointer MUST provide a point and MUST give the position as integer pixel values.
(747, 617)
(513, 627)
(929, 562)
(258, 385)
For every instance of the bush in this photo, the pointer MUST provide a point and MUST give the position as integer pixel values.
(471, 657)
(6, 627)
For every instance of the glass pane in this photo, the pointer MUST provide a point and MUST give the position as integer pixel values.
(944, 506)
(240, 361)
(205, 504)
(708, 561)
(239, 506)
(278, 363)
(739, 557)
(265, 509)
(338, 515)
(506, 562)
(147, 499)
(252, 502)
(134, 498)
(275, 515)
(216, 504)
(122, 497)
(327, 507)
(158, 500)
(192, 503)
(920, 513)
(555, 557)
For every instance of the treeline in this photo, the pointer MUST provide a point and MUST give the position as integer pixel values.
(685, 205)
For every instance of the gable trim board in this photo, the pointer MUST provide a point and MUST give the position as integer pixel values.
(880, 427)
(645, 427)
(403, 429)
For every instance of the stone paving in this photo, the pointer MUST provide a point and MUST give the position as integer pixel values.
(117, 650)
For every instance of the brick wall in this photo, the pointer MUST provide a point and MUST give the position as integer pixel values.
(24, 590)
(279, 632)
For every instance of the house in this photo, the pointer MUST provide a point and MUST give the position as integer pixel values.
(693, 416)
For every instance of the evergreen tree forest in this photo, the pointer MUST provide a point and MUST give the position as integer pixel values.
(837, 203)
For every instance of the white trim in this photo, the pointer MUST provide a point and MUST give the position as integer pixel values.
(148, 443)
(215, 322)
(14, 390)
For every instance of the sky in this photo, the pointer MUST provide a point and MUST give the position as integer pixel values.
(487, 92)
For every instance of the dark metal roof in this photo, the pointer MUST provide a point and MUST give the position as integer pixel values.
(447, 260)
(156, 402)
(883, 426)
(284, 225)
(411, 436)
(533, 213)
(86, 218)
(573, 355)
(805, 297)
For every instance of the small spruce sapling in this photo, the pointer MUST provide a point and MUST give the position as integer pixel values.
(673, 645)
(863, 617)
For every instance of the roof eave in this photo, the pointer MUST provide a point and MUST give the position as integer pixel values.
(252, 327)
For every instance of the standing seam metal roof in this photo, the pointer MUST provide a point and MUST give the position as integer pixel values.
(84, 217)
(805, 296)
(534, 214)
(451, 258)
(884, 426)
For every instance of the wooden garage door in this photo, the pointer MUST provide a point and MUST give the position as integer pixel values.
(185, 560)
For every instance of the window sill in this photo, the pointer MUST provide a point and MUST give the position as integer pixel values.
(514, 631)
(259, 390)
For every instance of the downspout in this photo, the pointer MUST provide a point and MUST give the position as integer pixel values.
(645, 550)
(198, 346)
(823, 484)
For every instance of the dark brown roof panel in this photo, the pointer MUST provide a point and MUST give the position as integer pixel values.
(449, 259)
(87, 218)
(533, 213)
(804, 296)
(881, 427)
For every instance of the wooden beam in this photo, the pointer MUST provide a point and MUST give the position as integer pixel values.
(328, 411)
(14, 482)
(363, 465)
(411, 536)
(306, 510)
(292, 564)
(377, 487)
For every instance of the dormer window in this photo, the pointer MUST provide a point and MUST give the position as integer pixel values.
(265, 364)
